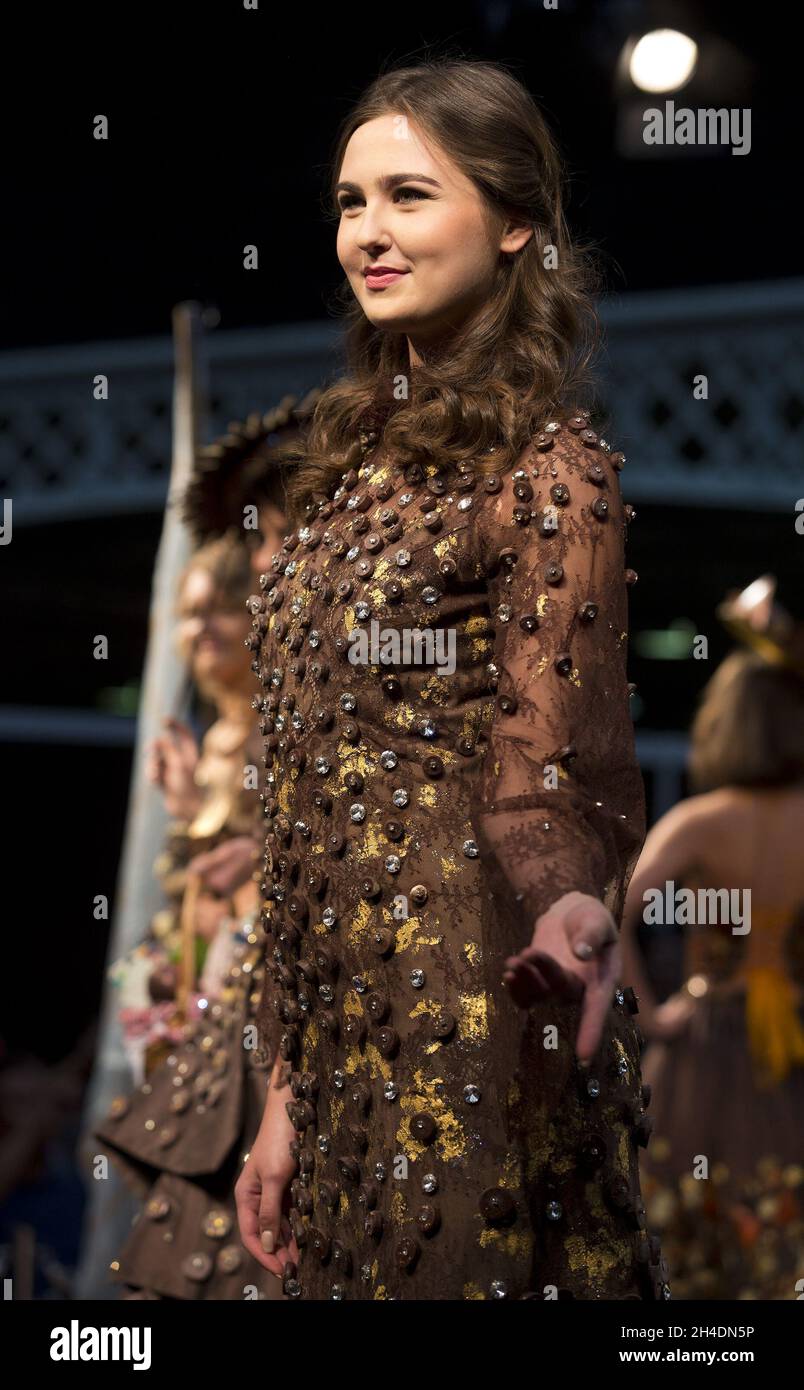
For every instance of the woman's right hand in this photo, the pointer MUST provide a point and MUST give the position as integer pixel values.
(170, 764)
(262, 1192)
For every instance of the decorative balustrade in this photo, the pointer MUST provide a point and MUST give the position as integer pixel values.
(64, 454)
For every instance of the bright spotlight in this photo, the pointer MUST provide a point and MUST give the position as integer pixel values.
(662, 61)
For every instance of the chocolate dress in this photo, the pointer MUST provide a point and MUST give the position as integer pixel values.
(421, 816)
(180, 1138)
(730, 1088)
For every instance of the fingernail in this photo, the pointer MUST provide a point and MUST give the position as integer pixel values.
(583, 950)
(585, 1065)
(267, 1242)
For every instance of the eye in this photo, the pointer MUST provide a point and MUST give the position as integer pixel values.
(403, 194)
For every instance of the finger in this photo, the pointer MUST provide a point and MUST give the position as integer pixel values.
(184, 740)
(247, 1201)
(524, 984)
(596, 1005)
(201, 863)
(564, 982)
(589, 930)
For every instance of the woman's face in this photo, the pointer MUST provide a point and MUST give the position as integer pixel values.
(408, 207)
(210, 635)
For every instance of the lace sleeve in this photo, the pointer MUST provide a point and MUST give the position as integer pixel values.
(562, 796)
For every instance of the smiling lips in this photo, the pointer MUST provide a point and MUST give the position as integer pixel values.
(378, 276)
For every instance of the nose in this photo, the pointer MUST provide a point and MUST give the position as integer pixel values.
(371, 236)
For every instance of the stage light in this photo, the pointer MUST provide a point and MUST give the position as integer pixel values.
(662, 61)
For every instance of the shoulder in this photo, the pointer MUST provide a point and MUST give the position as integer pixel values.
(690, 821)
(565, 483)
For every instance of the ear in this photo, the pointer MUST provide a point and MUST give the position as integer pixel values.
(516, 235)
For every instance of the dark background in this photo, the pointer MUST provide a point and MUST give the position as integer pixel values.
(221, 125)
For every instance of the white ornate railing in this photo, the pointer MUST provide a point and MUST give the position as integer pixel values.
(63, 454)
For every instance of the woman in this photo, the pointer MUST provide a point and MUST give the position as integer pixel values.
(181, 1136)
(724, 1179)
(452, 822)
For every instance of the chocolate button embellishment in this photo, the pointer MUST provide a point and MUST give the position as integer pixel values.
(444, 1025)
(329, 1193)
(354, 1029)
(433, 767)
(617, 460)
(368, 1194)
(428, 1220)
(319, 1244)
(377, 1007)
(373, 1225)
(492, 483)
(600, 508)
(587, 612)
(229, 1259)
(382, 941)
(394, 830)
(631, 576)
(349, 1169)
(407, 1253)
(592, 1153)
(393, 591)
(507, 704)
(419, 894)
(563, 663)
(387, 1042)
(497, 1206)
(197, 1267)
(553, 573)
(423, 1127)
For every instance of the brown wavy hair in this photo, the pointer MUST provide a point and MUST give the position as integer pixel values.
(525, 357)
(748, 730)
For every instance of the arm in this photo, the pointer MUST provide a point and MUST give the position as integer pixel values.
(670, 850)
(262, 1192)
(563, 816)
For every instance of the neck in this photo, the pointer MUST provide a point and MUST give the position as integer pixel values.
(233, 706)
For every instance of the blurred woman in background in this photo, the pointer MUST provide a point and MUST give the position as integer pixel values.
(181, 1136)
(723, 1180)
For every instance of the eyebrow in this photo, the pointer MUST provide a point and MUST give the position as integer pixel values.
(388, 182)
